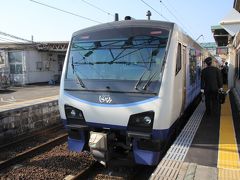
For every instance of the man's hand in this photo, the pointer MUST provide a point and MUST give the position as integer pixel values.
(202, 90)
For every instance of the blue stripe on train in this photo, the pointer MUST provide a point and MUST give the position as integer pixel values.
(113, 105)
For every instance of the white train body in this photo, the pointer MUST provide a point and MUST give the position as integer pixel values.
(124, 102)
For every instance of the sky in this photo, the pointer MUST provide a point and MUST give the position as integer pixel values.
(25, 18)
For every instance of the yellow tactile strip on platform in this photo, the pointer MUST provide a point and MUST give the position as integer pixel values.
(228, 157)
(228, 174)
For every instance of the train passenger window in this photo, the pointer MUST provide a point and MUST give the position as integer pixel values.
(238, 65)
(192, 66)
(179, 58)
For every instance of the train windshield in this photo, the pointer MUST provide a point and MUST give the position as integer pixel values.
(133, 56)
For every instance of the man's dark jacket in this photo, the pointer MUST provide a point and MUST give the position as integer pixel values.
(211, 79)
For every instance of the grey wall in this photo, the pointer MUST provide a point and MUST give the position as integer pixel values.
(27, 119)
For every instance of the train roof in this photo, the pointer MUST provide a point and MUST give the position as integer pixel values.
(127, 23)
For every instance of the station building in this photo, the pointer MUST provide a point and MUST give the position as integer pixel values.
(229, 35)
(26, 63)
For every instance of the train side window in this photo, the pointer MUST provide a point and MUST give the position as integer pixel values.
(179, 58)
(238, 64)
(192, 66)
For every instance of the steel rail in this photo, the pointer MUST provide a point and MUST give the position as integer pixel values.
(88, 171)
(33, 135)
(34, 151)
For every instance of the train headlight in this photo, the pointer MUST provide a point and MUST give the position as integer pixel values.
(73, 113)
(147, 120)
(142, 122)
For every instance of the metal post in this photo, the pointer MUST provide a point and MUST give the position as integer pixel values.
(149, 14)
(116, 17)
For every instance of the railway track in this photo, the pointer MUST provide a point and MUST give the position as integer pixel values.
(56, 163)
(33, 151)
(25, 143)
(87, 172)
(98, 171)
(11, 142)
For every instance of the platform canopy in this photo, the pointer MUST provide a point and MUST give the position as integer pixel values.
(231, 23)
(220, 35)
(236, 5)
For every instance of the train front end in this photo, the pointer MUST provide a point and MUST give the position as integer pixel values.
(109, 98)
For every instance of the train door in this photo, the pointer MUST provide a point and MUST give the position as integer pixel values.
(184, 59)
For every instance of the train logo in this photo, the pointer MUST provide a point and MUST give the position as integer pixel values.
(105, 99)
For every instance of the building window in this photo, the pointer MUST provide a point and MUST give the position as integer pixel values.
(1, 57)
(15, 68)
(179, 58)
(15, 61)
(60, 62)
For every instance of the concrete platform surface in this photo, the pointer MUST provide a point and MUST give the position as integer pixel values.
(26, 93)
(207, 148)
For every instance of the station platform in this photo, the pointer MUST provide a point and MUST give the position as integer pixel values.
(22, 104)
(207, 147)
(27, 109)
(19, 97)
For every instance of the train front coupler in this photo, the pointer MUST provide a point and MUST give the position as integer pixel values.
(98, 144)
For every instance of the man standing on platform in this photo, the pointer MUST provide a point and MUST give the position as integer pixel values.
(225, 73)
(211, 82)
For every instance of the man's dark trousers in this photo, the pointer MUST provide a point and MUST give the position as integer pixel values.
(212, 103)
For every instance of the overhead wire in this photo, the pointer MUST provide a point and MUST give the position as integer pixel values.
(83, 17)
(55, 8)
(100, 9)
(4, 40)
(22, 40)
(172, 13)
(8, 40)
(26, 42)
(29, 41)
(15, 37)
(67, 12)
(180, 22)
(154, 10)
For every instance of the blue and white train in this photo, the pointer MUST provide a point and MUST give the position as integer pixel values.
(124, 86)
